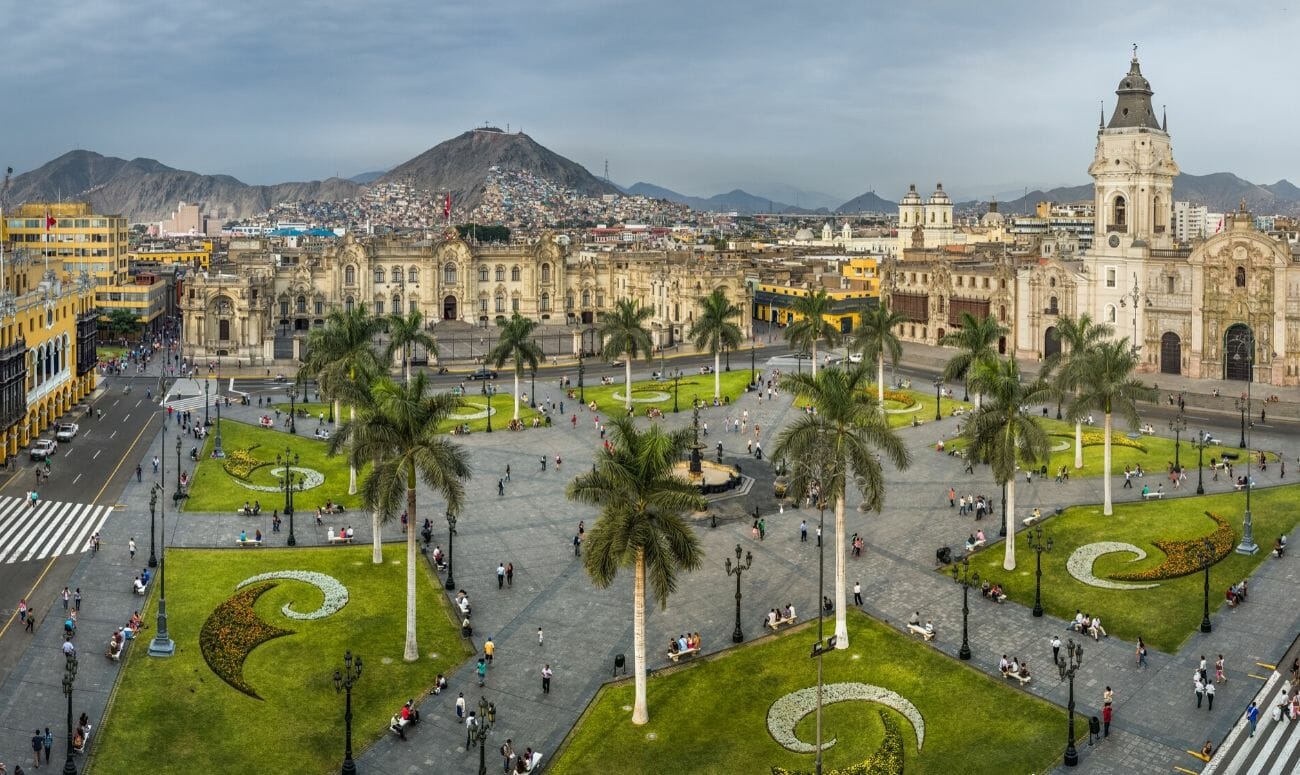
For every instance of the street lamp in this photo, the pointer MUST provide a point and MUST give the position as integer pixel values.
(737, 636)
(967, 579)
(451, 550)
(486, 715)
(488, 390)
(161, 645)
(1200, 459)
(1206, 552)
(153, 557)
(1247, 342)
(1243, 406)
(1068, 665)
(69, 675)
(1178, 425)
(1034, 540)
(179, 494)
(938, 393)
(532, 391)
(753, 374)
(216, 443)
(582, 394)
(677, 376)
(343, 682)
(289, 459)
(293, 396)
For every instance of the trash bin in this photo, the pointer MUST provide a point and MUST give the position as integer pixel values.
(620, 663)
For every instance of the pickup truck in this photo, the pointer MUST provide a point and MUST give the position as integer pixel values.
(43, 448)
(66, 431)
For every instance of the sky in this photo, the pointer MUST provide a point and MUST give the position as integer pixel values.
(700, 97)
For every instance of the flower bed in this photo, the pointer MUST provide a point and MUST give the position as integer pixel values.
(786, 712)
(336, 595)
(232, 632)
(887, 760)
(901, 397)
(1098, 438)
(241, 463)
(1183, 558)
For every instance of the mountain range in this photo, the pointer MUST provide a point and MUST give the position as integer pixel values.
(1219, 191)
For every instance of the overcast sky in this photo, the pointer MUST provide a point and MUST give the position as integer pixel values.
(700, 97)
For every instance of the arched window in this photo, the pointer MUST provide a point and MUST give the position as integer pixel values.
(500, 301)
(379, 307)
(568, 301)
(1241, 277)
(348, 303)
(397, 274)
(1052, 306)
(449, 274)
(1119, 217)
(546, 273)
(349, 275)
(586, 298)
(1160, 216)
(501, 275)
(514, 274)
(1110, 313)
(482, 273)
(379, 274)
(546, 302)
(301, 304)
(413, 275)
(600, 299)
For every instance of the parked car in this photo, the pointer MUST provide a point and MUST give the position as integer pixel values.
(43, 448)
(484, 374)
(66, 431)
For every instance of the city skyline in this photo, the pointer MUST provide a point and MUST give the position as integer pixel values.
(835, 99)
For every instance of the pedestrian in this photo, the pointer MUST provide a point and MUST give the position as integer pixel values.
(577, 546)
(67, 597)
(460, 706)
(1106, 713)
(857, 593)
(139, 473)
(508, 753)
(76, 599)
(539, 637)
(819, 535)
(1056, 649)
(543, 463)
(546, 679)
(489, 649)
(49, 743)
(1199, 688)
(510, 575)
(1142, 653)
(22, 610)
(1252, 715)
(1218, 670)
(501, 487)
(507, 472)
(762, 529)
(482, 670)
(501, 575)
(1209, 694)
(803, 531)
(1202, 670)
(31, 623)
(130, 546)
(952, 498)
(38, 742)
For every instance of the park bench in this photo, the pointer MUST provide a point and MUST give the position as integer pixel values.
(1199, 755)
(676, 655)
(974, 546)
(917, 629)
(1147, 430)
(1153, 495)
(85, 739)
(143, 590)
(1240, 487)
(249, 512)
(1031, 519)
(266, 422)
(776, 624)
(338, 539)
(1023, 679)
(248, 541)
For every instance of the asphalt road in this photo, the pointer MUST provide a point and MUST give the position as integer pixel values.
(91, 469)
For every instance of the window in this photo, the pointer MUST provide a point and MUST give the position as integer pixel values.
(415, 306)
(514, 305)
(1110, 277)
(284, 308)
(600, 299)
(1052, 306)
(514, 274)
(349, 275)
(1119, 217)
(568, 301)
(500, 302)
(413, 275)
(449, 274)
(586, 298)
(1241, 277)
(1051, 282)
(379, 274)
(320, 307)
(397, 275)
(546, 273)
(1110, 313)
(546, 302)
(501, 274)
(482, 304)
(1171, 284)
(482, 273)
(300, 305)
(379, 308)
(397, 305)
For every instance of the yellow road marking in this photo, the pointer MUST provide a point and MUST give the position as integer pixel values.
(1199, 755)
(1260, 677)
(1189, 772)
(1266, 665)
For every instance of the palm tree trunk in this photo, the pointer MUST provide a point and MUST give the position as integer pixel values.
(640, 713)
(1078, 444)
(352, 467)
(376, 529)
(406, 362)
(338, 414)
(1009, 560)
(412, 651)
(627, 382)
(516, 396)
(717, 375)
(880, 380)
(1107, 507)
(841, 615)
(814, 358)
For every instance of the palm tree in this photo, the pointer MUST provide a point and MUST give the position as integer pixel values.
(812, 325)
(339, 352)
(875, 338)
(1003, 435)
(405, 331)
(641, 502)
(1079, 337)
(623, 333)
(398, 430)
(976, 342)
(1106, 384)
(845, 434)
(713, 330)
(515, 343)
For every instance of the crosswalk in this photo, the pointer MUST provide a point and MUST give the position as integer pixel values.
(1275, 746)
(190, 404)
(51, 529)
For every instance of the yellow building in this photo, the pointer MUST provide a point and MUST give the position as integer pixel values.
(48, 324)
(146, 294)
(194, 257)
(863, 272)
(775, 302)
(80, 239)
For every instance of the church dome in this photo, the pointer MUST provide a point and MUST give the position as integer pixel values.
(911, 197)
(939, 197)
(1133, 108)
(804, 234)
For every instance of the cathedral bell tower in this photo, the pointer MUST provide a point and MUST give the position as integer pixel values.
(1133, 172)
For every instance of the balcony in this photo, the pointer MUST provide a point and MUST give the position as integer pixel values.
(1117, 228)
(1051, 311)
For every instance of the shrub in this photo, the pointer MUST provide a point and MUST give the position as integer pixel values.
(232, 632)
(1182, 558)
(887, 760)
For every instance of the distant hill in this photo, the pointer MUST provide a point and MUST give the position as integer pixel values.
(735, 200)
(367, 177)
(460, 165)
(1219, 191)
(146, 190)
(868, 203)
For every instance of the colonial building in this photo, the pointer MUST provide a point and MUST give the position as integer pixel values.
(261, 305)
(932, 287)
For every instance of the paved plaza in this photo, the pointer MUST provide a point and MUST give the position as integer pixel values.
(532, 526)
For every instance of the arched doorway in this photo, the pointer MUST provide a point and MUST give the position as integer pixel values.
(449, 308)
(1051, 342)
(1171, 353)
(1238, 351)
(1002, 345)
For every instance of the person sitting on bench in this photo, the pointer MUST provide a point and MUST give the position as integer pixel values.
(440, 684)
(246, 509)
(1080, 622)
(1095, 629)
(771, 618)
(138, 586)
(828, 604)
(996, 594)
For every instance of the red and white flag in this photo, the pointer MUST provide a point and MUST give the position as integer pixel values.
(1219, 228)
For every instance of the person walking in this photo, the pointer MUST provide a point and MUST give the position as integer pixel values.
(139, 473)
(501, 575)
(546, 679)
(1218, 670)
(489, 649)
(460, 706)
(67, 597)
(38, 742)
(1056, 649)
(952, 498)
(1199, 688)
(540, 636)
(130, 547)
(507, 472)
(76, 599)
(1106, 713)
(857, 593)
(762, 529)
(1209, 694)
(155, 464)
(803, 531)
(482, 671)
(49, 744)
(819, 535)
(1252, 715)
(577, 546)
(1141, 653)
(510, 575)
(22, 610)
(543, 463)
(31, 623)
(508, 753)
(501, 487)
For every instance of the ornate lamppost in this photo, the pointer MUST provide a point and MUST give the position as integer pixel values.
(179, 493)
(1247, 343)
(532, 391)
(69, 675)
(967, 579)
(161, 645)
(938, 395)
(1243, 406)
(753, 373)
(451, 550)
(1206, 556)
(216, 442)
(206, 401)
(1034, 540)
(1178, 425)
(488, 390)
(737, 635)
(1200, 461)
(677, 376)
(1068, 665)
(486, 715)
(582, 394)
(293, 396)
(153, 557)
(343, 681)
(288, 461)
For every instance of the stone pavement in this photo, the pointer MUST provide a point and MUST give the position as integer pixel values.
(533, 526)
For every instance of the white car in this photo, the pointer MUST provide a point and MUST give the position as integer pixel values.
(42, 449)
(855, 357)
(66, 431)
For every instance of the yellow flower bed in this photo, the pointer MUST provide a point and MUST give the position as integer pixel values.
(1182, 558)
(903, 398)
(1098, 438)
(241, 463)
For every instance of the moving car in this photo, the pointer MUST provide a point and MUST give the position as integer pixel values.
(43, 448)
(484, 374)
(66, 431)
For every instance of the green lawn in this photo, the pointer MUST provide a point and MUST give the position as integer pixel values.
(711, 716)
(659, 394)
(177, 715)
(108, 352)
(215, 489)
(906, 407)
(472, 403)
(1154, 453)
(1165, 615)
